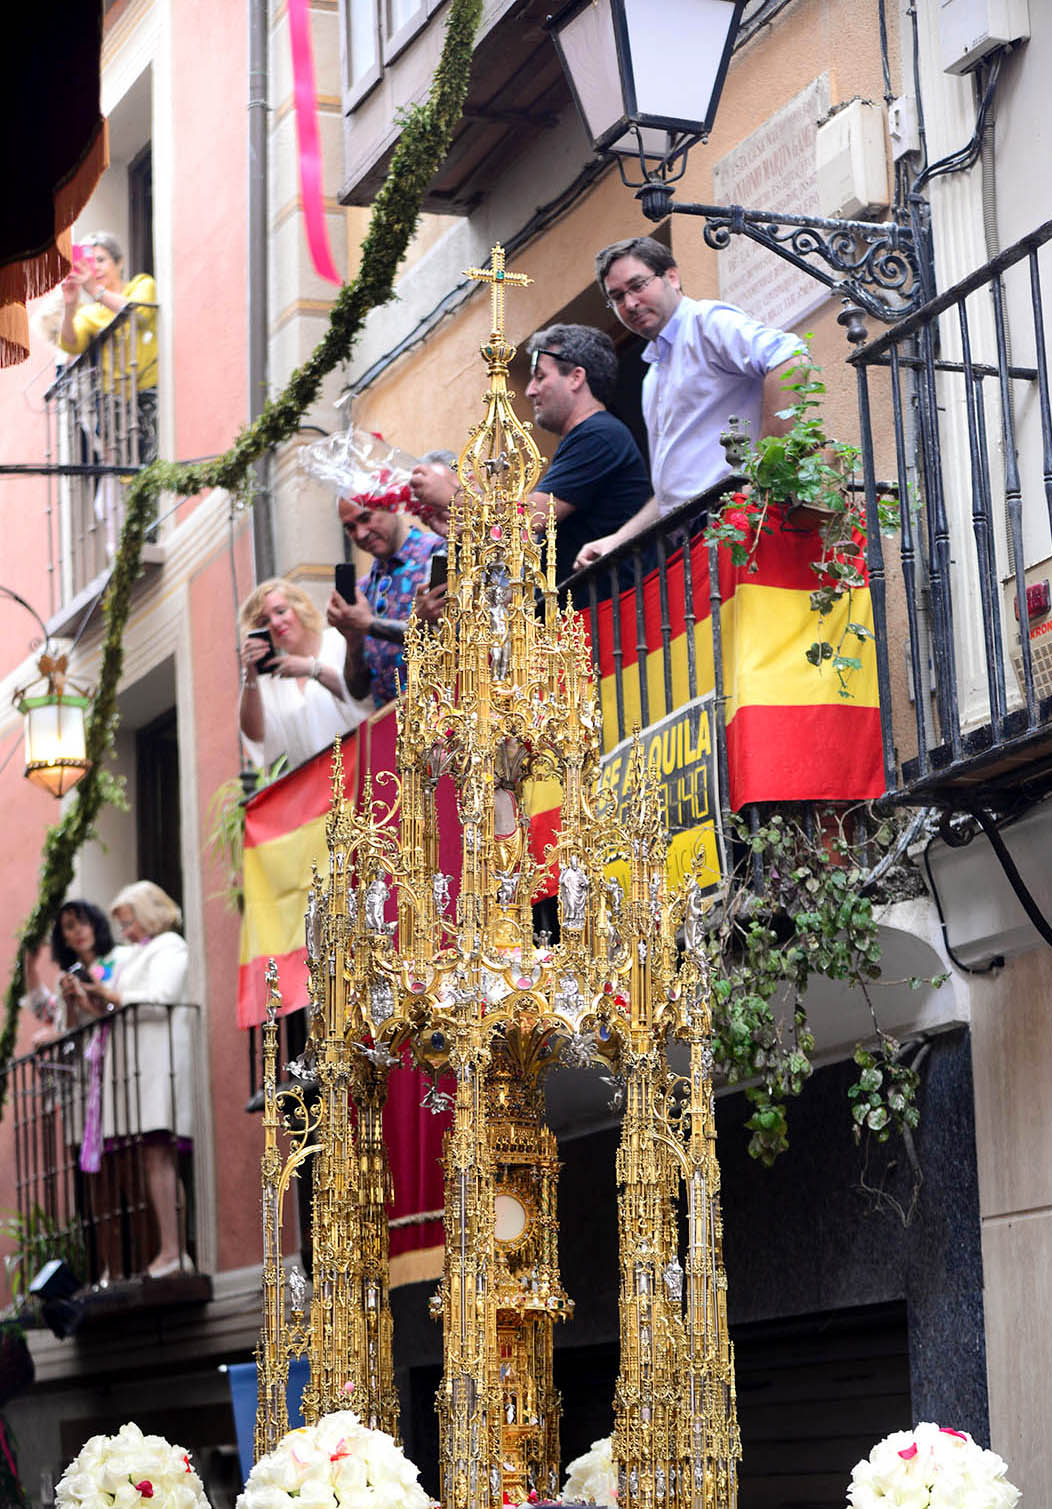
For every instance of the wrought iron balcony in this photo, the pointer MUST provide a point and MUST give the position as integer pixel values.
(85, 1153)
(101, 419)
(955, 398)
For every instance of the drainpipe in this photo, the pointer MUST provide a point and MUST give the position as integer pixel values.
(258, 331)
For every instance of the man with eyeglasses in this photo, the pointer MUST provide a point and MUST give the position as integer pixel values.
(597, 477)
(374, 624)
(707, 361)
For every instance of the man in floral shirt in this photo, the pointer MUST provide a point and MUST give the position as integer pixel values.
(371, 625)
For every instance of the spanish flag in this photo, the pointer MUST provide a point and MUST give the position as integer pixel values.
(791, 734)
(284, 836)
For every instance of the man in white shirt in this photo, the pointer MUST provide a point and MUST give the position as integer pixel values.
(707, 361)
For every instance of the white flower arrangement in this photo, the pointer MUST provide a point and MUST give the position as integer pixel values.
(931, 1467)
(592, 1479)
(130, 1471)
(337, 1464)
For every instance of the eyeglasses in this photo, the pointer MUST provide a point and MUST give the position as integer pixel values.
(615, 299)
(556, 356)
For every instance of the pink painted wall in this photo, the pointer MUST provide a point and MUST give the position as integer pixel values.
(25, 810)
(238, 1137)
(208, 318)
(209, 299)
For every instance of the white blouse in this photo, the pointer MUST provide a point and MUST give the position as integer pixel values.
(297, 724)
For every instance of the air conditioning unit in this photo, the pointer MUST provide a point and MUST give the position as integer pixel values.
(851, 162)
(969, 29)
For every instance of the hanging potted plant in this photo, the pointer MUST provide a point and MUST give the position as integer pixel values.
(800, 482)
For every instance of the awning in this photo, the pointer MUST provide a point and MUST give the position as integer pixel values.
(53, 150)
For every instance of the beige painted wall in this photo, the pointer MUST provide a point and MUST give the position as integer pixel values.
(1012, 1063)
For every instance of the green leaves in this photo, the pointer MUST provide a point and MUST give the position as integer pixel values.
(806, 916)
(883, 1098)
(805, 469)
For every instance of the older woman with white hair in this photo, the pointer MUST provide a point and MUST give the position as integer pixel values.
(148, 1099)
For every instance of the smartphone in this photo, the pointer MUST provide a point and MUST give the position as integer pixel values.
(77, 971)
(346, 581)
(268, 662)
(439, 570)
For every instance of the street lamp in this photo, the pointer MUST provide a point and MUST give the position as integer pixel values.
(647, 81)
(54, 708)
(639, 73)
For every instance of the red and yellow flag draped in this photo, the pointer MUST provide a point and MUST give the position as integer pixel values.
(791, 735)
(284, 837)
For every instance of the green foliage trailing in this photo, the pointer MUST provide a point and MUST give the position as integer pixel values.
(795, 908)
(427, 132)
(805, 474)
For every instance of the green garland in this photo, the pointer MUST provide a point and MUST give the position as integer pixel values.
(427, 131)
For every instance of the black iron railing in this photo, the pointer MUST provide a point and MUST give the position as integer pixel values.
(627, 568)
(956, 399)
(95, 1113)
(101, 428)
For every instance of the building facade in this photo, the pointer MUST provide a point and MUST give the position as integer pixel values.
(849, 1319)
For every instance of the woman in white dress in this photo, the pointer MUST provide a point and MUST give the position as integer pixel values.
(293, 698)
(148, 1099)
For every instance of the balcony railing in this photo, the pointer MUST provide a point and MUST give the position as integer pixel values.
(956, 399)
(83, 1157)
(101, 428)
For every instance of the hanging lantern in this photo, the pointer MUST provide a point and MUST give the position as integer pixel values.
(56, 752)
(646, 80)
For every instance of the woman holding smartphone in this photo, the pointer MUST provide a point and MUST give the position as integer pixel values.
(82, 947)
(293, 698)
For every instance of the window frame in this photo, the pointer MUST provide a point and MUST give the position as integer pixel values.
(356, 90)
(397, 41)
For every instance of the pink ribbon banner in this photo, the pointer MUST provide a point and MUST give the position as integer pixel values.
(306, 102)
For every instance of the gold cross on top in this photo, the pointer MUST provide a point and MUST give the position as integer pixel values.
(497, 277)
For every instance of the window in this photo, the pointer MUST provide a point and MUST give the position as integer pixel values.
(140, 212)
(402, 20)
(157, 804)
(375, 32)
(361, 47)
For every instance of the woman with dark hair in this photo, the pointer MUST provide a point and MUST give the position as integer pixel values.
(82, 947)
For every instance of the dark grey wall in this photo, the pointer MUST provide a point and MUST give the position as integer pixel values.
(803, 1238)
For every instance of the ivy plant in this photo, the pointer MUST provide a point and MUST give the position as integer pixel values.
(796, 907)
(801, 480)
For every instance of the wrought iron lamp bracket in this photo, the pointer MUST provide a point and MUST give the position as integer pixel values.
(866, 258)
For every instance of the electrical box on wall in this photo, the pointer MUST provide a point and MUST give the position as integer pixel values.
(969, 29)
(851, 162)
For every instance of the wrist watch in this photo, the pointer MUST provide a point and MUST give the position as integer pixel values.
(315, 669)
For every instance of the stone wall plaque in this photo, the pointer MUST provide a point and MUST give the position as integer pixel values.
(773, 169)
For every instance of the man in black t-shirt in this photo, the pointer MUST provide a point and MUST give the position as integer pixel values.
(597, 476)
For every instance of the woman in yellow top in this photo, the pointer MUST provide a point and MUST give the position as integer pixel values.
(101, 280)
